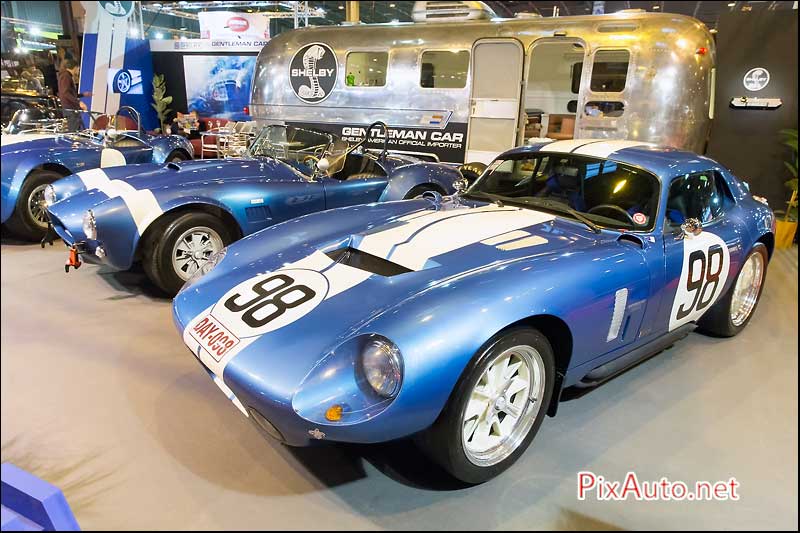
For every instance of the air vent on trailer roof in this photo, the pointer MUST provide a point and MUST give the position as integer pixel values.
(451, 11)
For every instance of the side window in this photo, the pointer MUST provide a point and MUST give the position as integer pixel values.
(444, 69)
(366, 69)
(700, 195)
(609, 71)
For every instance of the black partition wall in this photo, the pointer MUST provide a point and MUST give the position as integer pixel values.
(762, 46)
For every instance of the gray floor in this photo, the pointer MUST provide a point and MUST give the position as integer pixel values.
(100, 397)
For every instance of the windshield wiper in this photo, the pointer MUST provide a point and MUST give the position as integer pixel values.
(554, 205)
(480, 195)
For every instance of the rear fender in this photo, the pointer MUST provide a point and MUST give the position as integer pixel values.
(405, 178)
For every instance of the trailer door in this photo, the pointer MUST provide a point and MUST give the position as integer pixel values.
(497, 66)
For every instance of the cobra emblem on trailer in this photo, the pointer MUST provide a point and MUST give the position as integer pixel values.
(312, 72)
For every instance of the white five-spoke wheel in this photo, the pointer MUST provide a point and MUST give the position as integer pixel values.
(731, 313)
(193, 249)
(496, 407)
(747, 289)
(503, 405)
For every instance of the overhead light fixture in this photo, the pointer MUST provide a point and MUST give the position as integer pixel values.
(731, 4)
(392, 5)
(159, 35)
(713, 30)
(341, 7)
(656, 8)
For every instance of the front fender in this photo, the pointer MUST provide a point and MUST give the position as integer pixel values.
(15, 169)
(406, 177)
(440, 329)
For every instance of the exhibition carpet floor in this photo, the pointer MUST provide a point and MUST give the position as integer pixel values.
(100, 397)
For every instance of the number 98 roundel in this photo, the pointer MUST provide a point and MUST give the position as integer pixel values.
(704, 271)
(270, 301)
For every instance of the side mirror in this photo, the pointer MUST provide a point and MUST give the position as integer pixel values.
(692, 226)
(461, 185)
(323, 164)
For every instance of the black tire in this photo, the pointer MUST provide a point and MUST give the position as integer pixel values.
(158, 247)
(443, 441)
(176, 156)
(717, 320)
(21, 222)
(418, 190)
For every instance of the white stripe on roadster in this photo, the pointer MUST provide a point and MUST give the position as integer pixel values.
(141, 203)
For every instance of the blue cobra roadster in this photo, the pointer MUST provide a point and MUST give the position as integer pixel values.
(460, 320)
(32, 161)
(173, 218)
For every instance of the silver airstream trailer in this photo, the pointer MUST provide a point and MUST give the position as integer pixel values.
(459, 89)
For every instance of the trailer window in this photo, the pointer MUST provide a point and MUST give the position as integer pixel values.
(610, 71)
(444, 69)
(366, 69)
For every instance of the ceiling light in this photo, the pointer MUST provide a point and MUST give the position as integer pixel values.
(159, 35)
(392, 5)
(731, 4)
(656, 8)
(341, 7)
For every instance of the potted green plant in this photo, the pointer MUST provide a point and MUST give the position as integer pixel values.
(786, 225)
(161, 101)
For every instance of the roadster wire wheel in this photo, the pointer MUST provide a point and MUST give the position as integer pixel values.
(747, 289)
(36, 206)
(503, 405)
(193, 249)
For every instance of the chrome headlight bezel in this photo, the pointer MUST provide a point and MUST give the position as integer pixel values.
(50, 196)
(89, 225)
(381, 364)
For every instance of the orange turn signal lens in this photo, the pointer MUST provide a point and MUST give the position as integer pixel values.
(334, 413)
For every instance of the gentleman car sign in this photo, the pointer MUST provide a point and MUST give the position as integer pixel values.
(313, 72)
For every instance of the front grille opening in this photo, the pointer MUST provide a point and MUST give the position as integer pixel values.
(355, 258)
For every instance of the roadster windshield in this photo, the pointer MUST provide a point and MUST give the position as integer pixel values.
(594, 191)
(290, 144)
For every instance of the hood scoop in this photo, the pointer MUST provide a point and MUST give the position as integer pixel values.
(367, 262)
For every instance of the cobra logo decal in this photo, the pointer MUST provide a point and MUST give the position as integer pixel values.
(313, 72)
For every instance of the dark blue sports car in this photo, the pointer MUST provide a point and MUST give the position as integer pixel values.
(32, 161)
(461, 320)
(173, 218)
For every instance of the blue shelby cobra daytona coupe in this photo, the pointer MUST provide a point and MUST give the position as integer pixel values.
(460, 320)
(32, 161)
(173, 218)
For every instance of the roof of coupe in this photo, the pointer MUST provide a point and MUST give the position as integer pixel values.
(659, 159)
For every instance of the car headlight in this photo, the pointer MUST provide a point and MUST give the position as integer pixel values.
(49, 195)
(382, 366)
(207, 267)
(89, 225)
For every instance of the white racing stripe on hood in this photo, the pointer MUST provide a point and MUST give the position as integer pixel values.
(411, 241)
(414, 244)
(141, 203)
(7, 139)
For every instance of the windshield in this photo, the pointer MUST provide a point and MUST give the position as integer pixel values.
(291, 145)
(607, 193)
